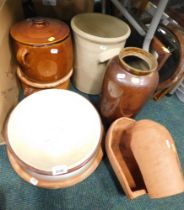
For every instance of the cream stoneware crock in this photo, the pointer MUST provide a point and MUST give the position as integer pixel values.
(98, 38)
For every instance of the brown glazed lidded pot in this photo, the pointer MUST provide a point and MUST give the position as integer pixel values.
(43, 48)
(130, 79)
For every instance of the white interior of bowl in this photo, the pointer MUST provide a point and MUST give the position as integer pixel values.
(54, 130)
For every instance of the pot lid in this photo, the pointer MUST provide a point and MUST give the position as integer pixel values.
(39, 31)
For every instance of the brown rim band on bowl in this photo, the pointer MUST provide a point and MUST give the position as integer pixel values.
(50, 173)
(55, 184)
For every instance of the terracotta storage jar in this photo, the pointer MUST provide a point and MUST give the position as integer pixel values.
(131, 78)
(155, 153)
(144, 158)
(43, 48)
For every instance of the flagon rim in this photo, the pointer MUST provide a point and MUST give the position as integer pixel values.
(141, 54)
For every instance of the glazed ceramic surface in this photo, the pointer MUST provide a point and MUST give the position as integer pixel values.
(98, 38)
(55, 184)
(161, 51)
(172, 72)
(54, 131)
(43, 48)
(67, 176)
(30, 87)
(128, 84)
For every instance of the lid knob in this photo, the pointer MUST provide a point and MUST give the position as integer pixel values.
(39, 22)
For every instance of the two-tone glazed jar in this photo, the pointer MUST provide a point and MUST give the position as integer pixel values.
(130, 79)
(43, 49)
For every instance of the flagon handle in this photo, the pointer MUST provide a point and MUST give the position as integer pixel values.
(162, 51)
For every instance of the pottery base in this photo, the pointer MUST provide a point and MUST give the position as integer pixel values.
(29, 87)
(56, 184)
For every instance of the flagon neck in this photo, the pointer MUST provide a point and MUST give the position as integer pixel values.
(137, 61)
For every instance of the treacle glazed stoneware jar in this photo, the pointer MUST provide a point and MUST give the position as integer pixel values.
(43, 49)
(131, 78)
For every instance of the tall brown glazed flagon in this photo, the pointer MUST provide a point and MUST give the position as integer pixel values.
(130, 79)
